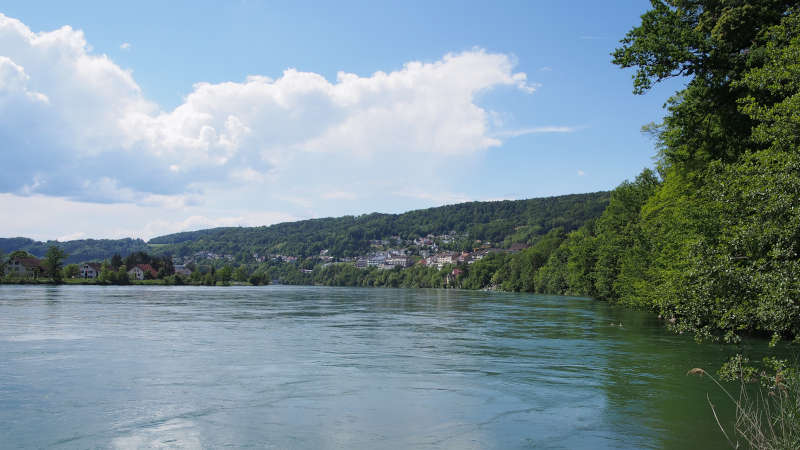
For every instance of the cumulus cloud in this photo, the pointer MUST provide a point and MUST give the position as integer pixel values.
(75, 124)
(125, 46)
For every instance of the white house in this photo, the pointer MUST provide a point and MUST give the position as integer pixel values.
(90, 270)
(138, 271)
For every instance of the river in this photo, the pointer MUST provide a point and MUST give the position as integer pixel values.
(316, 367)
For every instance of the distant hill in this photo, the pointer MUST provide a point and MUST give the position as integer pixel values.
(79, 250)
(497, 221)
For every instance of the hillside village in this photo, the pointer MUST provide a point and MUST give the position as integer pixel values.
(390, 253)
(387, 254)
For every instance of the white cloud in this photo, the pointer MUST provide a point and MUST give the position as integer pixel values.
(37, 216)
(581, 173)
(72, 119)
(535, 130)
(125, 46)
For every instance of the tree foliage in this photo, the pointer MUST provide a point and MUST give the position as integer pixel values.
(714, 245)
(350, 235)
(78, 250)
(54, 261)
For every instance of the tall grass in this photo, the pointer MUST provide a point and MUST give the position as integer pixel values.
(767, 405)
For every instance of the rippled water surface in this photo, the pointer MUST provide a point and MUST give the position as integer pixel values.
(308, 367)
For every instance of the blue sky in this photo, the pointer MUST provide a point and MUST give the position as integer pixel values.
(139, 120)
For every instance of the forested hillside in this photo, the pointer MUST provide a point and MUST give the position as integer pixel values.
(711, 240)
(517, 220)
(78, 250)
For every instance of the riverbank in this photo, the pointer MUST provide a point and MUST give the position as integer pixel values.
(95, 282)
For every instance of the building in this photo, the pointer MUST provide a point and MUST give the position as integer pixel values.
(24, 268)
(90, 270)
(445, 258)
(182, 270)
(376, 260)
(140, 271)
(401, 261)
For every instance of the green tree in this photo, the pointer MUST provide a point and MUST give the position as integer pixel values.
(713, 43)
(618, 233)
(19, 254)
(241, 274)
(121, 275)
(258, 278)
(715, 246)
(116, 261)
(741, 270)
(71, 271)
(54, 260)
(773, 101)
(106, 273)
(225, 274)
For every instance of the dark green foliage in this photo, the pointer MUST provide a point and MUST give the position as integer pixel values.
(79, 250)
(71, 271)
(774, 88)
(54, 261)
(742, 272)
(257, 279)
(715, 246)
(713, 43)
(481, 273)
(224, 275)
(618, 235)
(116, 261)
(519, 271)
(350, 236)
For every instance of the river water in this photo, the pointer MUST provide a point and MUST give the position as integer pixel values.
(314, 367)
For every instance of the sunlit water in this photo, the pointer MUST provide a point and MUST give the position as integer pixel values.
(308, 367)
